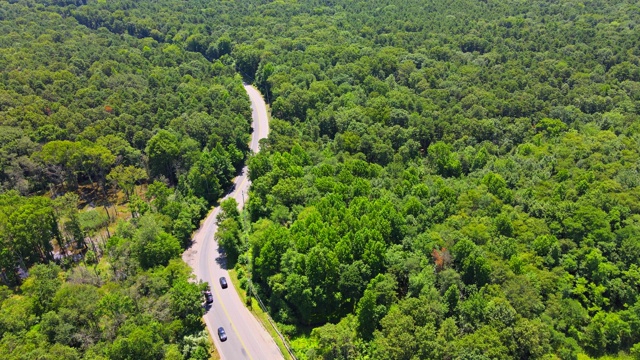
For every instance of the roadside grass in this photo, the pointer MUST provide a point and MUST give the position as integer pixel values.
(214, 354)
(258, 313)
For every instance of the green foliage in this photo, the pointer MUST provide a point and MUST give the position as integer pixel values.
(481, 158)
(94, 100)
(210, 174)
(184, 300)
(28, 229)
(445, 160)
(159, 194)
(152, 245)
(229, 238)
(229, 234)
(551, 126)
(65, 315)
(126, 178)
(228, 210)
(336, 341)
(163, 150)
(83, 105)
(606, 332)
(476, 158)
(498, 187)
(196, 347)
(474, 267)
(42, 286)
(138, 343)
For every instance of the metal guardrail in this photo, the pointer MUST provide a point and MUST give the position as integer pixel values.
(273, 324)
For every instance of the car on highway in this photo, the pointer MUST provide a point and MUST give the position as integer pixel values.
(223, 282)
(221, 334)
(208, 297)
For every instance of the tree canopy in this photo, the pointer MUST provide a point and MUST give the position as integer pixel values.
(442, 179)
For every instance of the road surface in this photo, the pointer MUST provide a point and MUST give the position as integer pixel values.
(246, 337)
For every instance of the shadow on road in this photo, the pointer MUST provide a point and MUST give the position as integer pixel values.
(207, 307)
(222, 259)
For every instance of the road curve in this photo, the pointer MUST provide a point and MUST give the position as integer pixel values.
(246, 337)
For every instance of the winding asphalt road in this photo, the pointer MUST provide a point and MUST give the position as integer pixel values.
(246, 337)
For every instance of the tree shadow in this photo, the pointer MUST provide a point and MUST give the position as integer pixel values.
(207, 307)
(186, 246)
(221, 259)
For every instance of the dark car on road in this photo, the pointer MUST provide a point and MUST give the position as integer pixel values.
(223, 282)
(221, 334)
(208, 297)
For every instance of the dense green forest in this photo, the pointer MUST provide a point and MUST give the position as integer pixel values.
(90, 262)
(443, 179)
